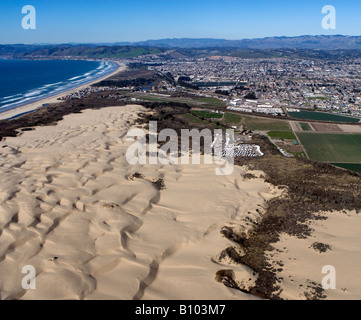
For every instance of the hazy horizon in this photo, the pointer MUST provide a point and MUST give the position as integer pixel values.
(180, 38)
(139, 20)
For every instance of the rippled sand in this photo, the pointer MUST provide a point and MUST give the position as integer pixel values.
(71, 206)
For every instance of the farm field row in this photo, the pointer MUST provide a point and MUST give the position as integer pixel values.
(335, 148)
(349, 166)
(322, 116)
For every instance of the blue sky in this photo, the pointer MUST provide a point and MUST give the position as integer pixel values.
(96, 21)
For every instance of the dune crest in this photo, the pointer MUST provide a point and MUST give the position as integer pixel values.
(96, 227)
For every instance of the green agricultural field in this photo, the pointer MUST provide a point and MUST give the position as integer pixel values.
(232, 118)
(197, 102)
(287, 135)
(207, 114)
(336, 148)
(349, 166)
(263, 124)
(213, 102)
(305, 126)
(191, 118)
(321, 116)
(151, 98)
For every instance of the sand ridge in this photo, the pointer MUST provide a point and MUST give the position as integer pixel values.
(334, 242)
(96, 227)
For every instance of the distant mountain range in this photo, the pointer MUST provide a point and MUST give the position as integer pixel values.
(21, 51)
(318, 42)
(321, 42)
(308, 47)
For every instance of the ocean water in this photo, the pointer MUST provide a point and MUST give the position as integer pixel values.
(27, 81)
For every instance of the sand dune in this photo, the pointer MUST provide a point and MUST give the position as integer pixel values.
(334, 242)
(71, 206)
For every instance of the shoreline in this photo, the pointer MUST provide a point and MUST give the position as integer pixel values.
(29, 107)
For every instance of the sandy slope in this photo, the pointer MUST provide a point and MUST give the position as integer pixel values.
(303, 264)
(71, 207)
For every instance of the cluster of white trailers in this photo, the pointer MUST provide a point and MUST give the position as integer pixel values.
(243, 150)
(230, 149)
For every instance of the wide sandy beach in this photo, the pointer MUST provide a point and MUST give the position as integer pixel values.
(71, 206)
(54, 99)
(96, 227)
(334, 243)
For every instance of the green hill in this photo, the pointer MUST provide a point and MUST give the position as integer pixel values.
(86, 51)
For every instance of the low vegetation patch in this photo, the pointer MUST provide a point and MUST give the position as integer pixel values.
(282, 135)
